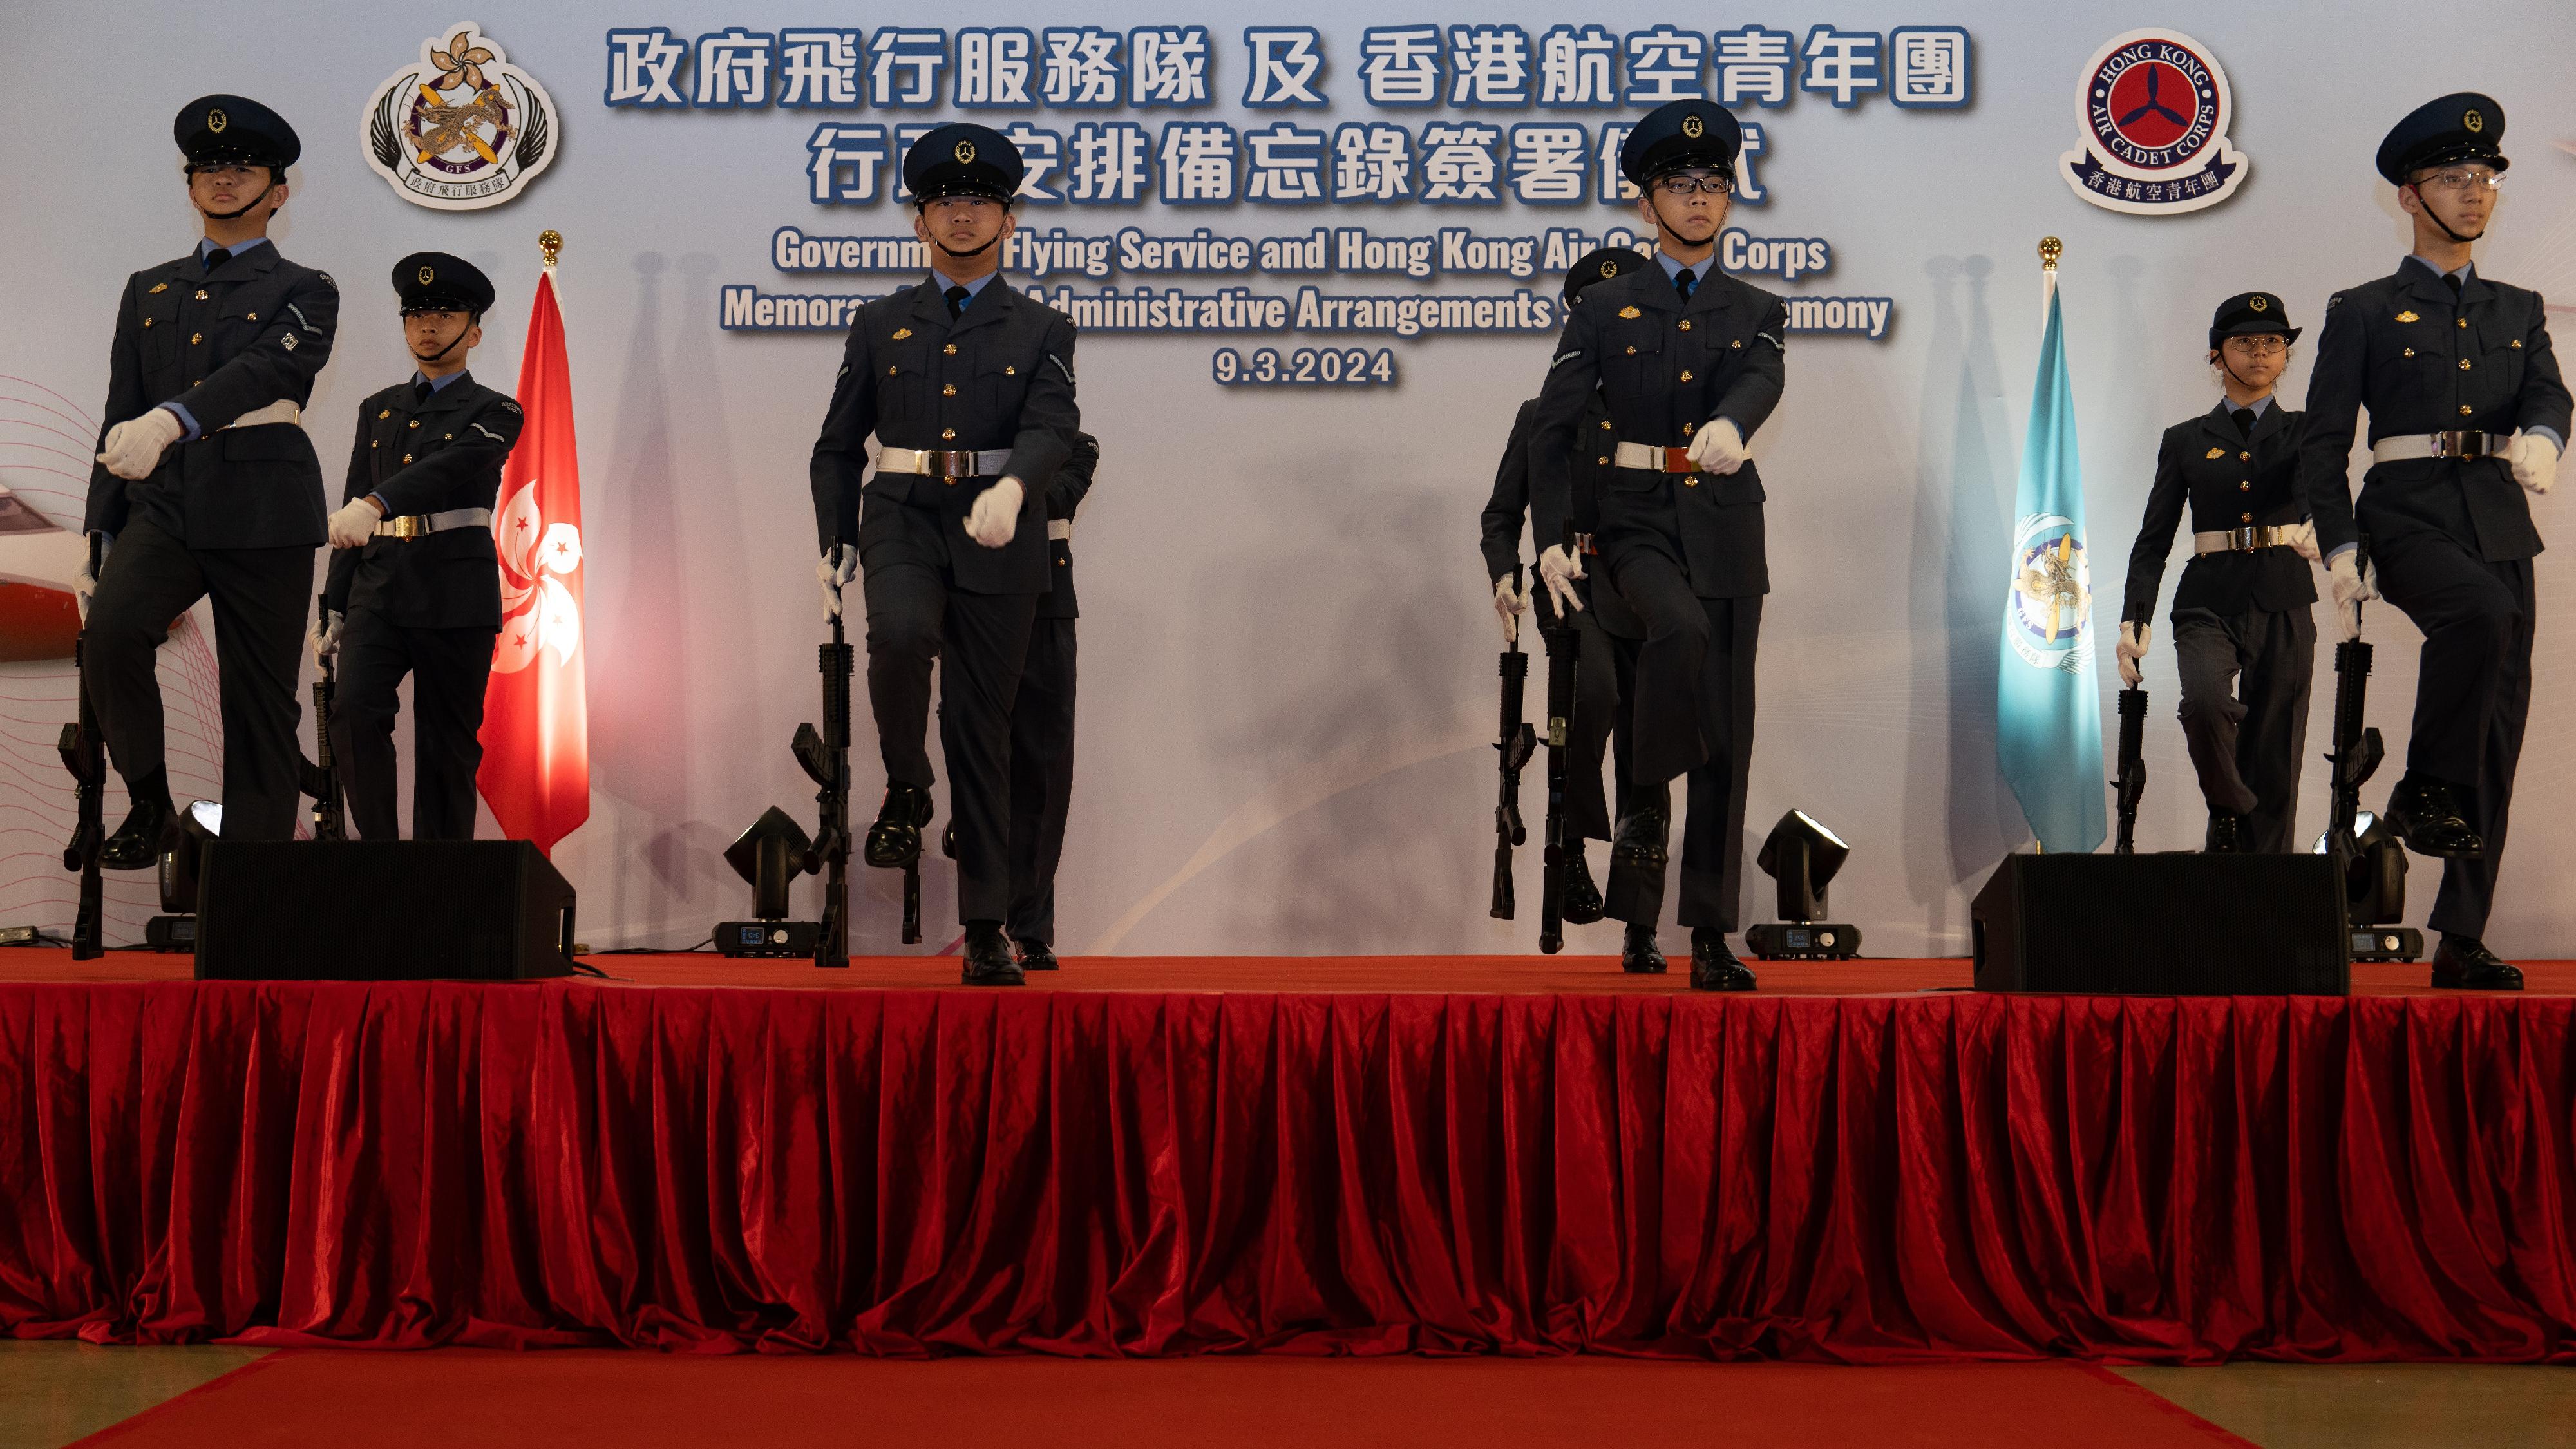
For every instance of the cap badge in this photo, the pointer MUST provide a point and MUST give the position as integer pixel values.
(2407, 316)
(1630, 312)
(2259, 303)
(1693, 125)
(1609, 269)
(965, 153)
(215, 121)
(427, 276)
(2474, 121)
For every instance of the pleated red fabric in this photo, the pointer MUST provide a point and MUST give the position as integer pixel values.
(1858, 1179)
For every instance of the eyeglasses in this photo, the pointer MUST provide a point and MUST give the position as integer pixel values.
(2258, 346)
(962, 203)
(226, 171)
(1693, 185)
(2462, 178)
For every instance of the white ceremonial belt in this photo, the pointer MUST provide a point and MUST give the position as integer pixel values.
(1655, 460)
(1060, 528)
(2244, 540)
(2438, 445)
(280, 411)
(951, 464)
(421, 525)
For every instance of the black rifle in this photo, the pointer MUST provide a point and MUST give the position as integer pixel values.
(2131, 786)
(1515, 743)
(84, 752)
(1564, 653)
(825, 754)
(321, 773)
(2357, 749)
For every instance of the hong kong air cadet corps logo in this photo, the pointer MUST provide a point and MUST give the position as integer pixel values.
(462, 129)
(2153, 112)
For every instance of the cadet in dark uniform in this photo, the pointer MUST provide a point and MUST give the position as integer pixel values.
(413, 572)
(2465, 403)
(1042, 724)
(1690, 363)
(2242, 606)
(206, 487)
(1606, 624)
(968, 387)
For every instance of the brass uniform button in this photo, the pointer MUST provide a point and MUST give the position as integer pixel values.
(2410, 352)
(891, 371)
(375, 442)
(1737, 344)
(1689, 428)
(1064, 563)
(2465, 410)
(415, 422)
(254, 316)
(448, 437)
(196, 338)
(147, 321)
(2245, 487)
(950, 349)
(1009, 371)
(2463, 321)
(1604, 462)
(2245, 518)
(406, 457)
(1605, 425)
(1685, 325)
(1686, 374)
(1691, 481)
(2248, 457)
(1632, 352)
(947, 434)
(949, 391)
(2464, 364)
(202, 296)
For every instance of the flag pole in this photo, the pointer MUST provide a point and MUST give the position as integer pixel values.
(550, 242)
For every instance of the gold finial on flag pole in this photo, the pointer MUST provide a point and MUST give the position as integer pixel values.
(2050, 248)
(550, 241)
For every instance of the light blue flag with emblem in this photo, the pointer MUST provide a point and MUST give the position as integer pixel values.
(2048, 720)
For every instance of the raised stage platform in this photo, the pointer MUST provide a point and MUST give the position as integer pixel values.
(1141, 1157)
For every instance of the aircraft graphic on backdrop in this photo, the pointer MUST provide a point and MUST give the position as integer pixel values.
(462, 129)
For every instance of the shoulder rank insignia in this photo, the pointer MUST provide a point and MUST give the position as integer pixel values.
(159, 287)
(1630, 312)
(901, 333)
(2408, 317)
(2217, 453)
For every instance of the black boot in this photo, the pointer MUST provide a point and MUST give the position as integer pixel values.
(1640, 846)
(1582, 903)
(2426, 814)
(988, 956)
(2226, 833)
(1638, 954)
(1713, 967)
(1036, 956)
(895, 839)
(948, 841)
(2465, 962)
(149, 829)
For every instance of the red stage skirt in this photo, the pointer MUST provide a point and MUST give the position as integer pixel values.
(1853, 1179)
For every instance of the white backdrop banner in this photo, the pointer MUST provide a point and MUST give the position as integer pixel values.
(1314, 253)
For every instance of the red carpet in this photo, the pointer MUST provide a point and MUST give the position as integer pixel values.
(1354, 1157)
(577, 1400)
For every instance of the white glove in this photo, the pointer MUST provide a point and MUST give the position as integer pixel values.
(354, 523)
(1717, 447)
(995, 516)
(135, 446)
(2132, 649)
(326, 636)
(2302, 539)
(1558, 570)
(2351, 591)
(834, 570)
(2535, 461)
(1509, 605)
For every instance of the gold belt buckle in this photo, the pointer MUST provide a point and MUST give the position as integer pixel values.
(2245, 540)
(953, 464)
(410, 526)
(2460, 444)
(1678, 460)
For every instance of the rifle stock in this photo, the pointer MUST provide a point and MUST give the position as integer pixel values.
(321, 773)
(1514, 743)
(2131, 785)
(825, 756)
(1564, 654)
(84, 752)
(2357, 750)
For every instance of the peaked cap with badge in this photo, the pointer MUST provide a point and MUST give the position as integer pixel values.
(437, 282)
(963, 159)
(1678, 136)
(2462, 126)
(2251, 314)
(1600, 265)
(234, 130)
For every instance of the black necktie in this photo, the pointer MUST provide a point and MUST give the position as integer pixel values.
(2244, 422)
(420, 391)
(958, 297)
(1685, 280)
(217, 256)
(2452, 279)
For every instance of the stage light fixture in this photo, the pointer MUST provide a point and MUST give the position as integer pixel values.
(770, 855)
(176, 928)
(2375, 893)
(1801, 856)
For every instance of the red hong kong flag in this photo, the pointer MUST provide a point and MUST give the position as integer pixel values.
(536, 724)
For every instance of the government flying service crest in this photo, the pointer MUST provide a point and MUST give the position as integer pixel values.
(462, 129)
(2153, 110)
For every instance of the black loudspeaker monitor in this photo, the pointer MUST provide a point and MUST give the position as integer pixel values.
(2163, 925)
(381, 910)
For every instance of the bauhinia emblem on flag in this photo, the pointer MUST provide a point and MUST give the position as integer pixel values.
(536, 721)
(2048, 716)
